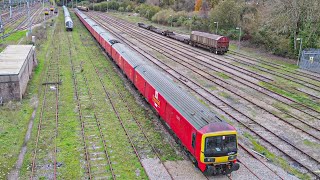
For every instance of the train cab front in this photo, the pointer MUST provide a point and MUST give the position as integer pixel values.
(219, 152)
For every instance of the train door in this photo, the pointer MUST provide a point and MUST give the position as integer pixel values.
(193, 141)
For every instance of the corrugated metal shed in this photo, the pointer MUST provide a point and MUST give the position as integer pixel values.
(131, 56)
(195, 112)
(208, 35)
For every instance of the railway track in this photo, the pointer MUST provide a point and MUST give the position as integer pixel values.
(288, 75)
(10, 22)
(44, 161)
(221, 82)
(236, 114)
(137, 137)
(17, 15)
(33, 15)
(13, 25)
(250, 171)
(277, 66)
(254, 84)
(311, 127)
(6, 13)
(256, 174)
(248, 81)
(235, 72)
(95, 155)
(144, 136)
(307, 112)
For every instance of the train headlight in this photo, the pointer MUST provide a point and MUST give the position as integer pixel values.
(232, 157)
(209, 159)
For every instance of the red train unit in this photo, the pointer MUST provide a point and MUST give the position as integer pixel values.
(211, 142)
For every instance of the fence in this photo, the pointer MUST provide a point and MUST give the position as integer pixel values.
(310, 60)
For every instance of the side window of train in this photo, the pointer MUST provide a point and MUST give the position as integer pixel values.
(193, 140)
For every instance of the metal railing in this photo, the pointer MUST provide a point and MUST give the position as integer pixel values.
(310, 60)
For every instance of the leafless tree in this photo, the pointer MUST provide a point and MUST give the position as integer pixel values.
(289, 16)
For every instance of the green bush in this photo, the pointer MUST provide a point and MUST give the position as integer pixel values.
(127, 3)
(129, 8)
(121, 9)
(147, 11)
(162, 16)
(227, 13)
(168, 16)
(103, 6)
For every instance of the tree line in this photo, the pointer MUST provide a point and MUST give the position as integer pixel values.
(273, 24)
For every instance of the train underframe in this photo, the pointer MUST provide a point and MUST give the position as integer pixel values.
(216, 50)
(225, 169)
(68, 29)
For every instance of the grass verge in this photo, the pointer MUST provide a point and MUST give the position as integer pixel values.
(15, 117)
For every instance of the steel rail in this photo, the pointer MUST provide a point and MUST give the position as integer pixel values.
(259, 88)
(246, 126)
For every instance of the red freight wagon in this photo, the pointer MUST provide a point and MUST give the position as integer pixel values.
(101, 39)
(98, 30)
(117, 51)
(126, 59)
(90, 26)
(108, 40)
(215, 43)
(130, 62)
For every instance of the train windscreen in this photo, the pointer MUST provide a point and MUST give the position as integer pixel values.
(216, 146)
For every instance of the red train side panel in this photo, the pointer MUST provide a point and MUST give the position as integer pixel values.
(139, 82)
(115, 54)
(129, 70)
(155, 99)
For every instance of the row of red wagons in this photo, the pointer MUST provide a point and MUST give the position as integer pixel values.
(211, 142)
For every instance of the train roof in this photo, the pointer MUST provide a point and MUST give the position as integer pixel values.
(208, 35)
(196, 113)
(81, 14)
(91, 22)
(107, 37)
(67, 19)
(98, 29)
(218, 126)
(133, 58)
(65, 11)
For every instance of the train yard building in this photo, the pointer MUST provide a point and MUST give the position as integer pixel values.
(16, 65)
